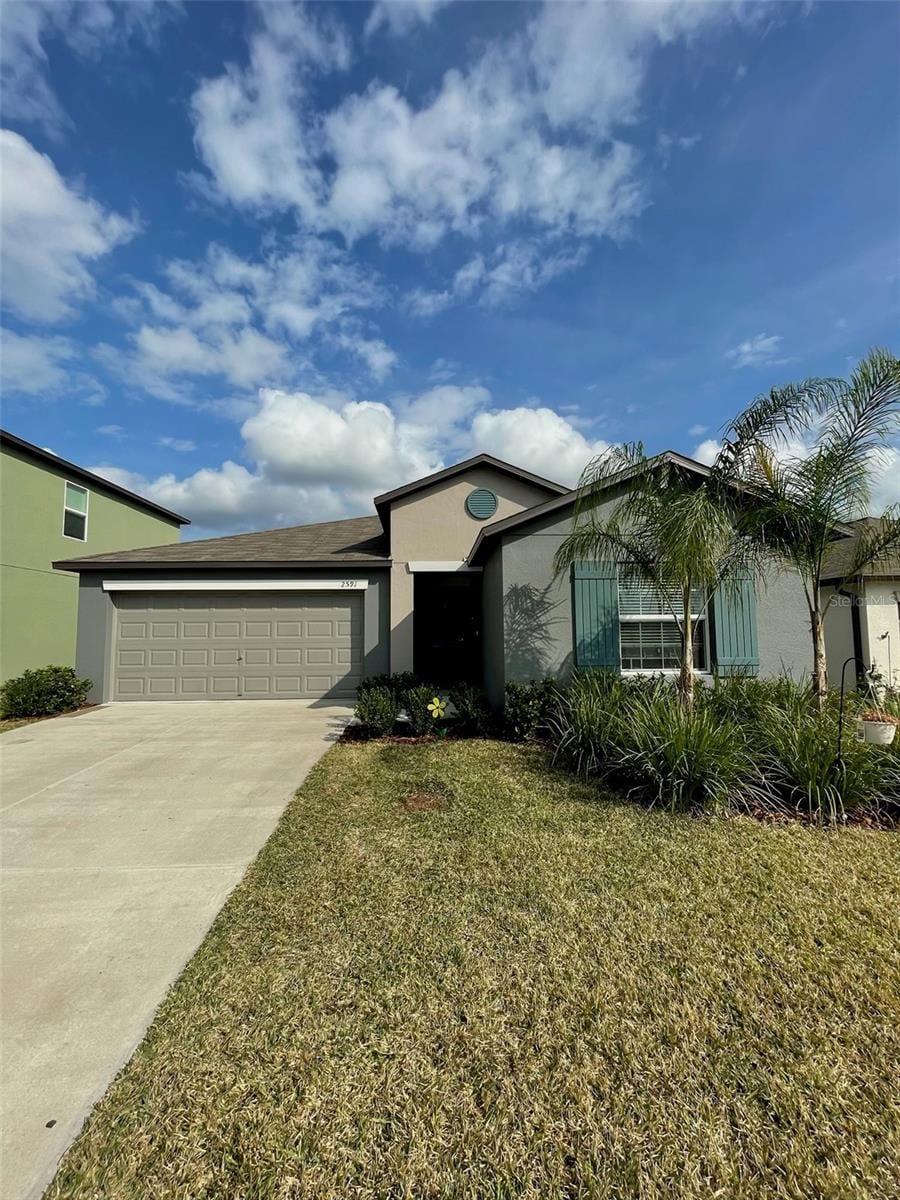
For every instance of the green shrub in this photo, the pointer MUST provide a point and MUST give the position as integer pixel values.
(43, 692)
(415, 702)
(397, 684)
(473, 713)
(528, 709)
(377, 710)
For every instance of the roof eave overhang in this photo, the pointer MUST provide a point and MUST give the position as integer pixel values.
(356, 564)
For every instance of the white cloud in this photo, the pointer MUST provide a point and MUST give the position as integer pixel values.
(402, 16)
(524, 133)
(89, 28)
(697, 430)
(297, 437)
(179, 445)
(49, 234)
(667, 143)
(758, 351)
(510, 271)
(886, 480)
(112, 431)
(376, 354)
(34, 365)
(706, 451)
(316, 457)
(46, 367)
(249, 124)
(536, 438)
(243, 319)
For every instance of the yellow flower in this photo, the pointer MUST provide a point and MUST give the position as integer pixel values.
(437, 707)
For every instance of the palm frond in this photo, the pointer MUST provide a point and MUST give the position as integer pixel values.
(873, 543)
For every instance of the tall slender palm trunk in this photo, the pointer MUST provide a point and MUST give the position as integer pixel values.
(686, 675)
(820, 669)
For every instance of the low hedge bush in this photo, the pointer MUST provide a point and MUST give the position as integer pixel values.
(398, 684)
(473, 713)
(43, 693)
(377, 710)
(415, 703)
(528, 709)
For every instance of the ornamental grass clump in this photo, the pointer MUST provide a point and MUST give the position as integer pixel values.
(684, 759)
(804, 772)
(634, 734)
(584, 730)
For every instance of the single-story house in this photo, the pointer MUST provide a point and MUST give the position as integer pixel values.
(452, 577)
(51, 509)
(864, 618)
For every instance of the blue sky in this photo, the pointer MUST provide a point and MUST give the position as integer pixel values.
(262, 262)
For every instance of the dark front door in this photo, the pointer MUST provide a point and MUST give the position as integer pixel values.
(447, 627)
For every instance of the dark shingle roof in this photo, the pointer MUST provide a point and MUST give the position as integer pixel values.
(357, 540)
(837, 561)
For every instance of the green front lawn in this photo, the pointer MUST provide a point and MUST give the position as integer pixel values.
(530, 991)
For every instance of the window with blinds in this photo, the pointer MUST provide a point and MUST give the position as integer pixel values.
(649, 639)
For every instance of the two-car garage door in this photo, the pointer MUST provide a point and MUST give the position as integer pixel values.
(182, 646)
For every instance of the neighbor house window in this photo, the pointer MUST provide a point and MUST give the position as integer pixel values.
(75, 512)
(649, 639)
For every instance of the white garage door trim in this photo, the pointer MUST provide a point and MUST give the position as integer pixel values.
(235, 585)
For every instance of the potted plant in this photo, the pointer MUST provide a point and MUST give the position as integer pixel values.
(878, 726)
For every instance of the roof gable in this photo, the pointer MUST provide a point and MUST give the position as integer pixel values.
(557, 503)
(386, 499)
(79, 473)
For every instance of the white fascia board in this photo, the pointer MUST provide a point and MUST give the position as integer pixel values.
(456, 564)
(235, 585)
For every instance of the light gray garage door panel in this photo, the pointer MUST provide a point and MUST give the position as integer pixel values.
(179, 646)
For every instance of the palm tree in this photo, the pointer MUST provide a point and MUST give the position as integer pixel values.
(806, 455)
(669, 527)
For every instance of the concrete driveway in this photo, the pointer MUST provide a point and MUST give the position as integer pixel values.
(123, 831)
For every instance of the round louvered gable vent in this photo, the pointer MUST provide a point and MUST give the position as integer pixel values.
(481, 504)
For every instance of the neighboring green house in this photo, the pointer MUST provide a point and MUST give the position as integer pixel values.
(51, 509)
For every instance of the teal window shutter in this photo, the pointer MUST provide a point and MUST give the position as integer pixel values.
(734, 619)
(595, 603)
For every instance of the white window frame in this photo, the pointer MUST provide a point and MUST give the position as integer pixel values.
(66, 509)
(644, 618)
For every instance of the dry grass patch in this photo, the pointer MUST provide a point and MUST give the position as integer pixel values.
(531, 992)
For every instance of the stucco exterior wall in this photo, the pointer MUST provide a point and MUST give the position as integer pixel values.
(492, 628)
(537, 611)
(880, 614)
(785, 642)
(433, 525)
(839, 637)
(38, 613)
(97, 615)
